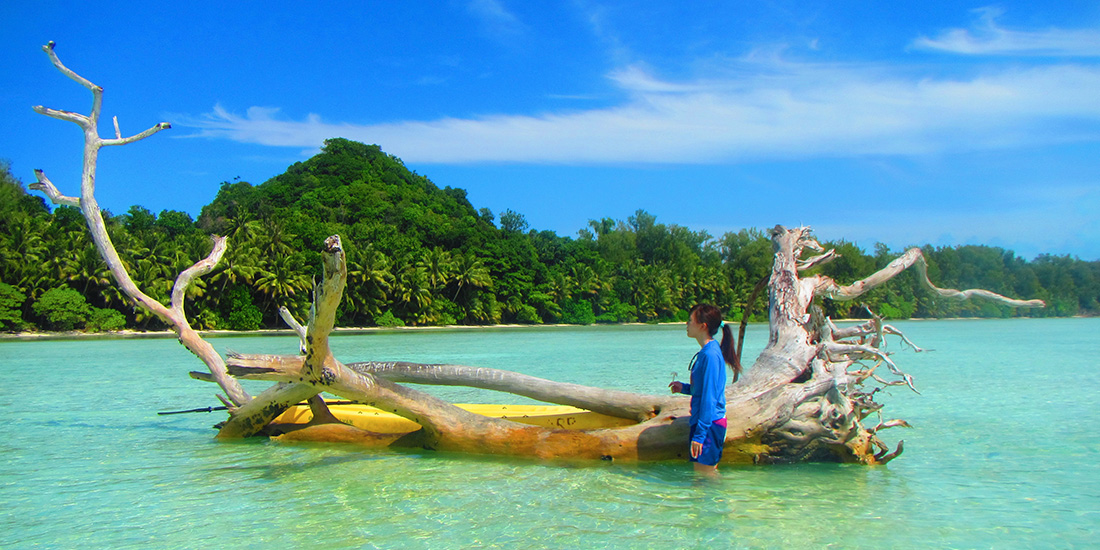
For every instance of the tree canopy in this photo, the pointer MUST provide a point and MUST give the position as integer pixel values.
(421, 255)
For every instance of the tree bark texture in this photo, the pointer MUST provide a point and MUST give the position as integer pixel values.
(809, 395)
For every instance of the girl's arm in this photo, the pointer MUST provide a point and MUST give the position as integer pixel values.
(709, 388)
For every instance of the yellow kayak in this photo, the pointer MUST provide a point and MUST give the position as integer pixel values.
(379, 421)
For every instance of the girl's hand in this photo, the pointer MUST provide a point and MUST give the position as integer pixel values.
(696, 449)
(676, 386)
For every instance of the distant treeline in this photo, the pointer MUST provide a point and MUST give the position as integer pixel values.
(420, 255)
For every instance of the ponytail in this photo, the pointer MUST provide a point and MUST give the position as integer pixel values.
(729, 350)
(712, 317)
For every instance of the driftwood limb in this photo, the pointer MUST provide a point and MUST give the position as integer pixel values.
(46, 186)
(913, 257)
(870, 328)
(293, 323)
(173, 316)
(204, 266)
(610, 402)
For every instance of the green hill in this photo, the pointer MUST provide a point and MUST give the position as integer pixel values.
(358, 189)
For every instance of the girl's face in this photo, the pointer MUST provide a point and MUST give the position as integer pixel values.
(695, 329)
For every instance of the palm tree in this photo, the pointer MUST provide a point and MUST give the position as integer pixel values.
(23, 248)
(711, 284)
(437, 265)
(239, 265)
(585, 280)
(411, 289)
(88, 270)
(57, 264)
(274, 240)
(368, 282)
(642, 288)
(602, 227)
(241, 227)
(280, 281)
(113, 297)
(559, 287)
(469, 271)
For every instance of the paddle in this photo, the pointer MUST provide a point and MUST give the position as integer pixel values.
(204, 409)
(212, 409)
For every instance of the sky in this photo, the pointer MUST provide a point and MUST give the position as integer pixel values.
(905, 123)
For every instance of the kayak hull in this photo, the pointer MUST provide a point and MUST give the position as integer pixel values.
(378, 421)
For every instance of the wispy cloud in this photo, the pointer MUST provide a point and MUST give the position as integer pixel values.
(495, 19)
(988, 38)
(764, 110)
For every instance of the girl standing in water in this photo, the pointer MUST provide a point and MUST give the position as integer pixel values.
(708, 385)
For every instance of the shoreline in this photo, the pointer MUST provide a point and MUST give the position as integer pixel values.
(137, 335)
(155, 334)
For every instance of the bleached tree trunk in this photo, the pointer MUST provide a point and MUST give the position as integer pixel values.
(804, 398)
(172, 314)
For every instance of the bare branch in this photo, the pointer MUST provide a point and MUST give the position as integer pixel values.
(46, 186)
(137, 137)
(201, 376)
(834, 349)
(869, 328)
(326, 297)
(883, 459)
(806, 240)
(815, 261)
(173, 316)
(227, 403)
(97, 91)
(89, 122)
(305, 377)
(202, 267)
(251, 417)
(895, 423)
(49, 49)
(264, 366)
(828, 288)
(76, 118)
(609, 402)
(293, 323)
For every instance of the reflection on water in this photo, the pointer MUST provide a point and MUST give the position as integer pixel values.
(1002, 454)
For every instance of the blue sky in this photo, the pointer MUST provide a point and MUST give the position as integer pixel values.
(937, 123)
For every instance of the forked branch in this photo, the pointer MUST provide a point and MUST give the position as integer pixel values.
(828, 288)
(46, 186)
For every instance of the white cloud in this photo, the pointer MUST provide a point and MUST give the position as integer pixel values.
(764, 110)
(989, 38)
(495, 18)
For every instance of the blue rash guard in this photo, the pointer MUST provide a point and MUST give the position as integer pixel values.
(707, 390)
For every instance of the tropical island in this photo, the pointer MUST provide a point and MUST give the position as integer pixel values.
(419, 255)
(805, 397)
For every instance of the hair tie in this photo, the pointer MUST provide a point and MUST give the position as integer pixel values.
(720, 325)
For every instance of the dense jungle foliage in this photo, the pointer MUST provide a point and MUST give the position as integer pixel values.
(420, 255)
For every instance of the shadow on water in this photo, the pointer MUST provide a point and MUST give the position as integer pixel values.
(284, 470)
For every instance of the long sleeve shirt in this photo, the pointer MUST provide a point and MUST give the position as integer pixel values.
(707, 389)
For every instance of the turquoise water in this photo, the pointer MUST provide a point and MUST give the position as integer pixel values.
(1004, 454)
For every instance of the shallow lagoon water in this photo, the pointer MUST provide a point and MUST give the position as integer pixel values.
(1003, 453)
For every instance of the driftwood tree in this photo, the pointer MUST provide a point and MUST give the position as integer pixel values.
(806, 397)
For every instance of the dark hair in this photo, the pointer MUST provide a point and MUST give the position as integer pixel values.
(711, 316)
